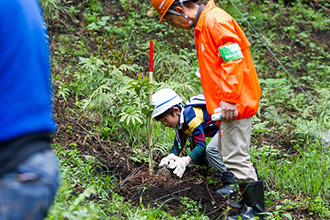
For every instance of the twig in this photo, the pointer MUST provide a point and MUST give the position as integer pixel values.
(210, 213)
(186, 180)
(134, 187)
(171, 194)
(105, 150)
(325, 8)
(207, 187)
(131, 174)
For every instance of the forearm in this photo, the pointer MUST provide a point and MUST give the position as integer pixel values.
(197, 151)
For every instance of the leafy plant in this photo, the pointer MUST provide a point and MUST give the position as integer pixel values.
(278, 214)
(52, 9)
(130, 115)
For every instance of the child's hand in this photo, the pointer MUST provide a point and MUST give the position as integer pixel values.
(180, 165)
(168, 160)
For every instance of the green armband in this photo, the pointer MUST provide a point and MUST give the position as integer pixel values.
(231, 52)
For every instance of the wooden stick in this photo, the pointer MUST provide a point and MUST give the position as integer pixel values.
(151, 170)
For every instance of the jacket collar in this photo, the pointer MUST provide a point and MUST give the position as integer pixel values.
(199, 12)
(181, 119)
(208, 7)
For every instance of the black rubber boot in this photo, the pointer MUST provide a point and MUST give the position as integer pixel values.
(253, 199)
(230, 186)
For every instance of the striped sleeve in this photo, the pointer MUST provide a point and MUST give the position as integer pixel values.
(195, 120)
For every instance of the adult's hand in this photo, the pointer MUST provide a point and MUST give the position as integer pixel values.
(228, 110)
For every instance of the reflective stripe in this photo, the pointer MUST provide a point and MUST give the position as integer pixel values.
(196, 100)
(161, 4)
(166, 101)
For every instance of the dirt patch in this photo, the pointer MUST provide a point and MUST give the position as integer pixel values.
(211, 204)
(170, 193)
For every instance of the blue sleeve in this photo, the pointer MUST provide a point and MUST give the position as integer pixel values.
(25, 82)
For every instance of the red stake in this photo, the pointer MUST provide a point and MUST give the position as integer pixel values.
(151, 68)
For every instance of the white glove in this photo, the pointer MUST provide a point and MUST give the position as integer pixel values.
(180, 165)
(168, 160)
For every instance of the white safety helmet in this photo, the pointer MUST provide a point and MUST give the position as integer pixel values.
(163, 100)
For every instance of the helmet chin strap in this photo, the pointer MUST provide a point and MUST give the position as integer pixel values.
(190, 22)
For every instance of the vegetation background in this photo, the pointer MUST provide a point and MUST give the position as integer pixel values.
(100, 67)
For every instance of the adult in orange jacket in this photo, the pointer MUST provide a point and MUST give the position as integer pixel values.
(229, 81)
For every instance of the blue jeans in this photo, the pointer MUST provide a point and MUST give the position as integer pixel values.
(28, 192)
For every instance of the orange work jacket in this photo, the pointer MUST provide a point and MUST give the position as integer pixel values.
(233, 81)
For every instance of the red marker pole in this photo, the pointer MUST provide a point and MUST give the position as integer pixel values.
(151, 57)
(151, 68)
